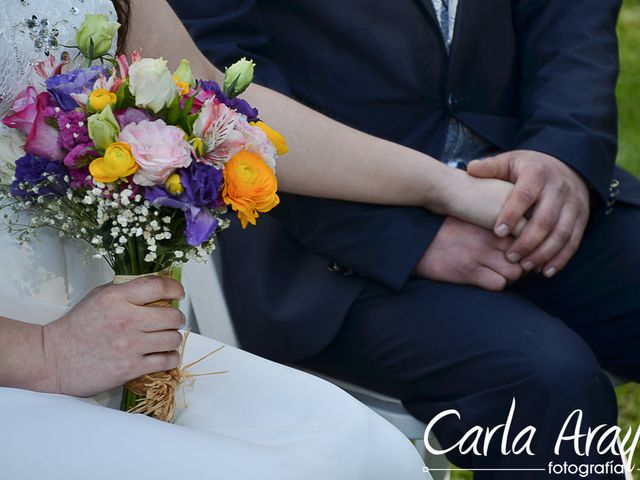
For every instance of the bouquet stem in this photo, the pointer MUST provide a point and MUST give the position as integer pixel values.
(152, 394)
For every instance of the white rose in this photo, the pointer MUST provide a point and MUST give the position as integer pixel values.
(11, 142)
(151, 84)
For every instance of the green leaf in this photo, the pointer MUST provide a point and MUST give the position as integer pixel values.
(188, 105)
(91, 49)
(125, 98)
(173, 114)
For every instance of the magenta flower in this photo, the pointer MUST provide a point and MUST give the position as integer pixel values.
(24, 108)
(30, 118)
(73, 129)
(80, 155)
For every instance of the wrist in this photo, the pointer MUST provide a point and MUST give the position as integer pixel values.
(454, 182)
(48, 372)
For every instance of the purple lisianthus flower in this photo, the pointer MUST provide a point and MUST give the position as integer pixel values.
(201, 224)
(237, 104)
(34, 172)
(201, 183)
(63, 85)
(195, 201)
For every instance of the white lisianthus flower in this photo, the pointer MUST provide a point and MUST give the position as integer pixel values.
(11, 142)
(151, 84)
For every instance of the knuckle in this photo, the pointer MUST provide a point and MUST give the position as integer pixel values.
(564, 188)
(177, 340)
(573, 245)
(545, 222)
(171, 360)
(540, 170)
(527, 245)
(108, 297)
(525, 195)
(180, 319)
(171, 288)
(564, 235)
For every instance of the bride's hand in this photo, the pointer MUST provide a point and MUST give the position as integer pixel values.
(478, 201)
(110, 337)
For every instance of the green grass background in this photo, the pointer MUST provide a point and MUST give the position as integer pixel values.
(629, 157)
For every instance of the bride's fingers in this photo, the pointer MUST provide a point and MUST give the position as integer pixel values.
(497, 262)
(154, 319)
(488, 279)
(160, 342)
(157, 362)
(146, 290)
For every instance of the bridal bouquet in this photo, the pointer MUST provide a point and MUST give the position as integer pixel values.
(139, 162)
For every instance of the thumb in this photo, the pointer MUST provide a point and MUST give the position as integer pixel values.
(492, 167)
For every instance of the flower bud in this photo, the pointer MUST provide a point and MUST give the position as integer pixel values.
(95, 36)
(174, 185)
(100, 98)
(103, 128)
(238, 77)
(198, 146)
(118, 162)
(184, 74)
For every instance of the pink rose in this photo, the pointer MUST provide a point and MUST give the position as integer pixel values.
(157, 148)
(29, 118)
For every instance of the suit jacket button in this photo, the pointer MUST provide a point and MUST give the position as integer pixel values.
(452, 102)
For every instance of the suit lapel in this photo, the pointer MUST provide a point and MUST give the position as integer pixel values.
(427, 6)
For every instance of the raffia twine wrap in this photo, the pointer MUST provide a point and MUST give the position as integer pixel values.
(155, 393)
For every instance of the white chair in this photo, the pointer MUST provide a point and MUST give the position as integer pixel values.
(204, 288)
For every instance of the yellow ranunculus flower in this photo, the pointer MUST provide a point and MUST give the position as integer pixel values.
(274, 137)
(100, 98)
(174, 185)
(118, 162)
(250, 186)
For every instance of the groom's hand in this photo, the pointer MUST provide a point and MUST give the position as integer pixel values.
(555, 195)
(466, 254)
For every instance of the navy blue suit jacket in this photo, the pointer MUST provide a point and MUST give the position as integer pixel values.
(524, 74)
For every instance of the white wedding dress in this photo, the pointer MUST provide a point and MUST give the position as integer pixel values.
(259, 420)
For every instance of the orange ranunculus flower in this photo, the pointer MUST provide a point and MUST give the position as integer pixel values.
(250, 186)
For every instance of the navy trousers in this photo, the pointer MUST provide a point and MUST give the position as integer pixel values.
(543, 342)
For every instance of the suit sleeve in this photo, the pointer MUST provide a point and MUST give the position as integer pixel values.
(377, 242)
(569, 65)
(227, 30)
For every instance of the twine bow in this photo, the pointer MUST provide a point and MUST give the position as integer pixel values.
(158, 390)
